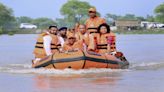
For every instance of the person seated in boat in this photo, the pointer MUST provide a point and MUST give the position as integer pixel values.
(47, 43)
(107, 43)
(72, 43)
(82, 35)
(63, 35)
(107, 39)
(104, 42)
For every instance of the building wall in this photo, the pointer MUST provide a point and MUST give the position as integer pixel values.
(127, 24)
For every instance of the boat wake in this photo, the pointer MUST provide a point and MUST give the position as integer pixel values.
(147, 66)
(27, 69)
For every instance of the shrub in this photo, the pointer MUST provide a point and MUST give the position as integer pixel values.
(10, 33)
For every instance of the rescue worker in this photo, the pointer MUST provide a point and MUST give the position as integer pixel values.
(92, 24)
(94, 21)
(63, 35)
(72, 43)
(47, 43)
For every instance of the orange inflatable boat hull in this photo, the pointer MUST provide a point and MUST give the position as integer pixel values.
(81, 60)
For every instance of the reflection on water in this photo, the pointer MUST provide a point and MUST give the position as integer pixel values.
(76, 82)
(144, 52)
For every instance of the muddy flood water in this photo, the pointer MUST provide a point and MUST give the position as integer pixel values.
(144, 52)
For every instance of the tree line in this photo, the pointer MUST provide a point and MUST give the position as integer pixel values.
(73, 11)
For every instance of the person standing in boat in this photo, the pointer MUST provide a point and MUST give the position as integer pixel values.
(94, 21)
(47, 43)
(92, 24)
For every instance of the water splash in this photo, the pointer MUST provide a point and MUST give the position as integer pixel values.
(26, 69)
(147, 66)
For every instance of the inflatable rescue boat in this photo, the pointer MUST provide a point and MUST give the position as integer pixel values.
(82, 60)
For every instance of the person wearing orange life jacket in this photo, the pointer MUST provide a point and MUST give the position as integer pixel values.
(47, 43)
(94, 21)
(106, 45)
(82, 35)
(72, 43)
(92, 24)
(104, 42)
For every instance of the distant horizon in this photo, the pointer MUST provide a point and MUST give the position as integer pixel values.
(37, 8)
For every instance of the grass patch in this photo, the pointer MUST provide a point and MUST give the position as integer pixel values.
(1, 31)
(11, 33)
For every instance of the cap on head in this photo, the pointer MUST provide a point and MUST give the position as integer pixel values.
(92, 9)
(62, 28)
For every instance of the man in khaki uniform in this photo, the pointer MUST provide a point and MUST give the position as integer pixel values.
(94, 21)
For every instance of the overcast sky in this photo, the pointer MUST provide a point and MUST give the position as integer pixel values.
(51, 8)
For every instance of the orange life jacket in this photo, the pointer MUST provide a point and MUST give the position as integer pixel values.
(93, 23)
(93, 40)
(106, 43)
(84, 38)
(39, 50)
(76, 45)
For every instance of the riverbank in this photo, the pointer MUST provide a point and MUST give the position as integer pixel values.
(150, 31)
(22, 31)
(37, 31)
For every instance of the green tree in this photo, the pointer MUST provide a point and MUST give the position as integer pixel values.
(129, 17)
(6, 17)
(61, 22)
(112, 16)
(140, 18)
(150, 18)
(43, 22)
(75, 11)
(159, 10)
(24, 19)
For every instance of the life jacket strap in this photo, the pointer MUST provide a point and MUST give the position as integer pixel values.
(42, 47)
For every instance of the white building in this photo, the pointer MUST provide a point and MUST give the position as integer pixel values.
(149, 25)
